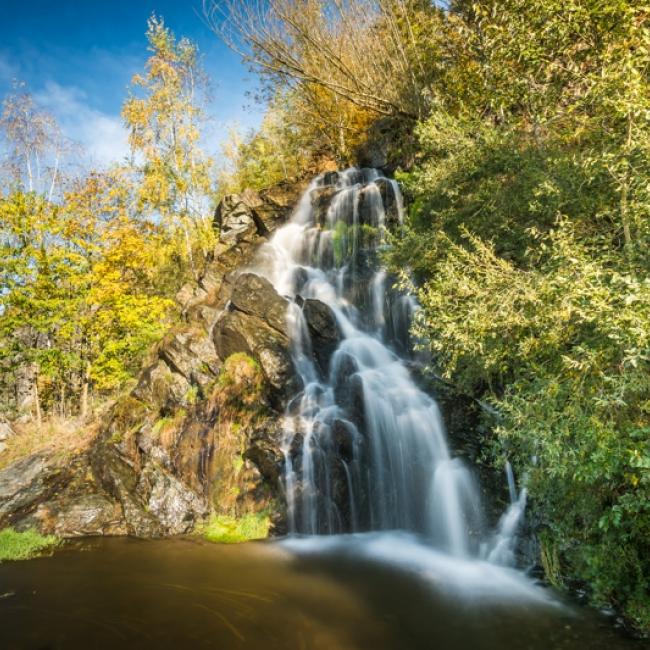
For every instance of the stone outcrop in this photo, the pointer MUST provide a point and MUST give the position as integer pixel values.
(6, 432)
(255, 324)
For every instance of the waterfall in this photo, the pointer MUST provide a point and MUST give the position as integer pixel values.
(364, 448)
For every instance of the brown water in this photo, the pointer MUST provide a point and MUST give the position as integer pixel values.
(123, 593)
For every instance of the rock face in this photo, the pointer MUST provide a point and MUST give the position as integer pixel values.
(237, 220)
(6, 432)
(255, 324)
(199, 433)
(57, 496)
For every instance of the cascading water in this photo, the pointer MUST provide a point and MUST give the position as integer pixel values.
(364, 447)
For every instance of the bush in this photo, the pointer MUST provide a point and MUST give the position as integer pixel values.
(532, 300)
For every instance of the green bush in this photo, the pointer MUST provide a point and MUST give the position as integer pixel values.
(533, 300)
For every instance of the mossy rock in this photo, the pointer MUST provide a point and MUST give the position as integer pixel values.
(226, 529)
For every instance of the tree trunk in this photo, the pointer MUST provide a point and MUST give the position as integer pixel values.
(85, 388)
(62, 400)
(37, 405)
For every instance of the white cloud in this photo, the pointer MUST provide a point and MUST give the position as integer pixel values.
(102, 137)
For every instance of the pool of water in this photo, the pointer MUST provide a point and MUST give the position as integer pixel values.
(365, 592)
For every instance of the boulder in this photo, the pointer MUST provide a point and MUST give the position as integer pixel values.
(331, 178)
(161, 387)
(87, 514)
(255, 324)
(348, 387)
(57, 495)
(119, 477)
(240, 332)
(256, 296)
(26, 482)
(190, 294)
(323, 330)
(190, 353)
(237, 220)
(264, 449)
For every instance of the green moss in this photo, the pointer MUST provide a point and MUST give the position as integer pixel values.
(240, 383)
(224, 529)
(232, 365)
(25, 545)
(340, 242)
(192, 395)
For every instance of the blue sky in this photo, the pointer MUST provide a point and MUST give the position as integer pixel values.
(77, 58)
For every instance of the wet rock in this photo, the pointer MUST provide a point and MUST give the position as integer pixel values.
(264, 450)
(323, 330)
(387, 191)
(343, 434)
(299, 279)
(331, 178)
(344, 367)
(321, 197)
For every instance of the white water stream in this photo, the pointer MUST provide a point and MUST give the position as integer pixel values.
(365, 449)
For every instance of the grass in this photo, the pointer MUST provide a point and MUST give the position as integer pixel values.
(23, 546)
(224, 529)
(56, 435)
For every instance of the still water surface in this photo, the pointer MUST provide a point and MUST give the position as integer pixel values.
(364, 592)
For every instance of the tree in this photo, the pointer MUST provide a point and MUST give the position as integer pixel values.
(365, 52)
(36, 144)
(163, 115)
